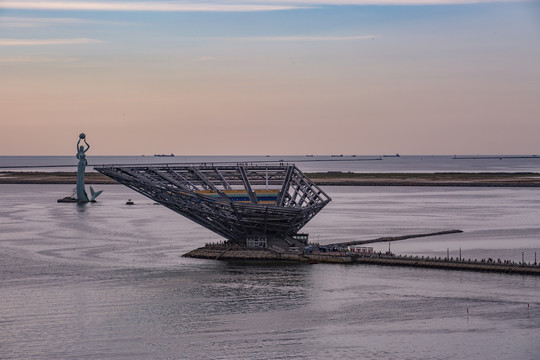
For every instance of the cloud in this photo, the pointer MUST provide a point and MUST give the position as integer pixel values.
(305, 38)
(36, 59)
(233, 6)
(33, 22)
(312, 3)
(217, 6)
(380, 2)
(39, 42)
(290, 38)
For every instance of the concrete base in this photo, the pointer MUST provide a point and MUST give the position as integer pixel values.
(67, 199)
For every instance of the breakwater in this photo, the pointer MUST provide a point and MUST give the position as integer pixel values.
(321, 178)
(222, 252)
(392, 238)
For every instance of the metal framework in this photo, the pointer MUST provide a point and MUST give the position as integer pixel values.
(236, 201)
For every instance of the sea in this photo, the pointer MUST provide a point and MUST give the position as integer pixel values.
(307, 163)
(107, 280)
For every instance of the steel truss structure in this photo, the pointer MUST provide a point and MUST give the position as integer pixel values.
(236, 201)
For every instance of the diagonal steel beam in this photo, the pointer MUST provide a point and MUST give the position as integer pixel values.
(285, 188)
(170, 179)
(208, 183)
(247, 185)
(223, 180)
(175, 175)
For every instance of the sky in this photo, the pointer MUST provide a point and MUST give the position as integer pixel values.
(270, 77)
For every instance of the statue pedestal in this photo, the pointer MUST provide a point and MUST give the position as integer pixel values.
(67, 199)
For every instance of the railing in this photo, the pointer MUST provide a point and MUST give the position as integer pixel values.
(256, 164)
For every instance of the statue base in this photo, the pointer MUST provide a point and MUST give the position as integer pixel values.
(69, 199)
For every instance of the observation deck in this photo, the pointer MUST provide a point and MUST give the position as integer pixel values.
(259, 205)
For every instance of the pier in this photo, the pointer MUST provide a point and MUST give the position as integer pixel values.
(391, 238)
(223, 252)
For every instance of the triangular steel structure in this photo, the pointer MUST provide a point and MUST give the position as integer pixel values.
(236, 201)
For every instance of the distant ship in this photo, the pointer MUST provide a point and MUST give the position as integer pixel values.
(164, 155)
(397, 155)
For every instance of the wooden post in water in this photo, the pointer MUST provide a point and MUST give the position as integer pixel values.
(459, 254)
(447, 253)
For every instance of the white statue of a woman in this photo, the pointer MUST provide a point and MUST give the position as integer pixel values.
(81, 155)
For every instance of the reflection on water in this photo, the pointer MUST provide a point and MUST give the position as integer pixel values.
(106, 280)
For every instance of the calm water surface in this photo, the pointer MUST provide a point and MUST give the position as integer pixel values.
(360, 163)
(107, 280)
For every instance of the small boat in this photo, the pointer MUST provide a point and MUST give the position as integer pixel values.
(130, 202)
(164, 155)
(397, 155)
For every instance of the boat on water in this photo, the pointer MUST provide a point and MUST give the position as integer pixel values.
(397, 155)
(164, 155)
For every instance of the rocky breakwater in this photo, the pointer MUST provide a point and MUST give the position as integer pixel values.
(224, 252)
(450, 264)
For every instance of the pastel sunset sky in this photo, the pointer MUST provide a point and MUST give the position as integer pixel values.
(261, 77)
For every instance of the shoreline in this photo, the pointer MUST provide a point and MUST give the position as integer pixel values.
(486, 179)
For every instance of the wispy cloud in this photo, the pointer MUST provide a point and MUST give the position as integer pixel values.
(378, 2)
(194, 6)
(304, 38)
(37, 59)
(36, 22)
(217, 6)
(39, 42)
(289, 38)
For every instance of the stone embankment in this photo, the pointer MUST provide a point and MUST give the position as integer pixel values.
(220, 252)
(326, 178)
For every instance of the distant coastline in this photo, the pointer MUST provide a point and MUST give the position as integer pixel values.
(482, 179)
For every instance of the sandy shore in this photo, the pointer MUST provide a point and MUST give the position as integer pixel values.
(330, 178)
